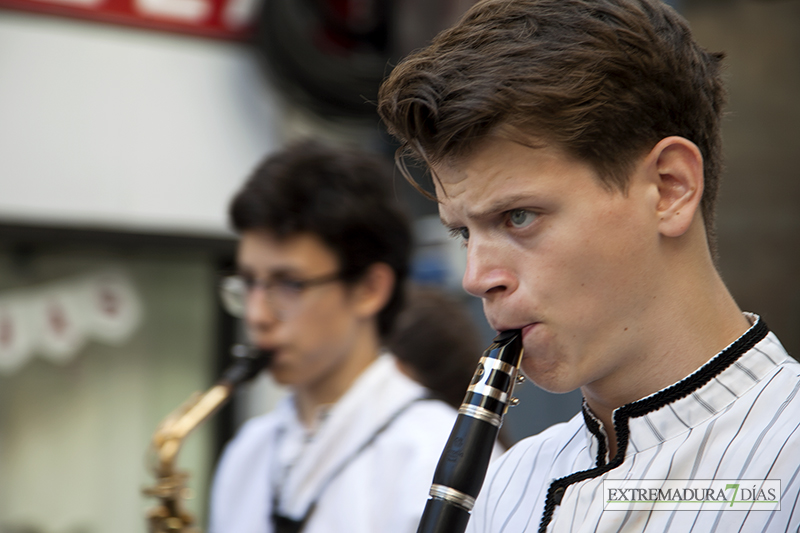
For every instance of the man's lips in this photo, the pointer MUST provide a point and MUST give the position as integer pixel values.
(525, 328)
(267, 347)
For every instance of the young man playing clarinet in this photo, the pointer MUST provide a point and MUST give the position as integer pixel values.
(575, 150)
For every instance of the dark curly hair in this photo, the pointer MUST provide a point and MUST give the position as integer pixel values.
(341, 195)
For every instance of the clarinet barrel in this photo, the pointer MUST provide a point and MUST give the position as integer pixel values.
(462, 467)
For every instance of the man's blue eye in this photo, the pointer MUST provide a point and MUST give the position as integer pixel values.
(460, 233)
(519, 218)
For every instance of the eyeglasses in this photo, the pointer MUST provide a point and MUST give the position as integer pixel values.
(283, 293)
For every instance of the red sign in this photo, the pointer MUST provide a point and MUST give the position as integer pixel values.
(225, 19)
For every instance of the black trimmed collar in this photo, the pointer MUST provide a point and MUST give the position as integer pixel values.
(724, 359)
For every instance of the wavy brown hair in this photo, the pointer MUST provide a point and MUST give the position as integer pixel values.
(604, 80)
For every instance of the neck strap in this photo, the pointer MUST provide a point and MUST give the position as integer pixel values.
(284, 524)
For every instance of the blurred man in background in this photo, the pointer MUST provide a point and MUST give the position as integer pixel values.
(436, 342)
(575, 148)
(322, 262)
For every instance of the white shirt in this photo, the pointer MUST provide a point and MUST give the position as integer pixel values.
(737, 417)
(383, 489)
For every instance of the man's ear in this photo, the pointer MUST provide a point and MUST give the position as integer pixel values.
(374, 290)
(678, 171)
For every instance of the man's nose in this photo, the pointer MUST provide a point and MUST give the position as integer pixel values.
(259, 311)
(487, 273)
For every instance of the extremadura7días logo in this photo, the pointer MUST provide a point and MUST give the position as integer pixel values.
(692, 494)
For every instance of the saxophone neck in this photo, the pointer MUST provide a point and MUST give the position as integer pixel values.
(170, 435)
(170, 488)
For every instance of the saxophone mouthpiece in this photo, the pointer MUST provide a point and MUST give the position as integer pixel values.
(248, 362)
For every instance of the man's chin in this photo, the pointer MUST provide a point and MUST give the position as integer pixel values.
(282, 374)
(550, 380)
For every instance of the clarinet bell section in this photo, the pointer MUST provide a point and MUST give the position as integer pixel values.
(462, 467)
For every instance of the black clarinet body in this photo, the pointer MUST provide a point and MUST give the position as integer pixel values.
(462, 467)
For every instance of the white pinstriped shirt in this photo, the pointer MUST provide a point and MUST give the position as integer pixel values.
(737, 417)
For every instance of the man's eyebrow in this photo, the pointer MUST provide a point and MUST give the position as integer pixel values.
(500, 205)
(279, 272)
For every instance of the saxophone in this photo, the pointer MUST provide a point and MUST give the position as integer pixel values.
(169, 516)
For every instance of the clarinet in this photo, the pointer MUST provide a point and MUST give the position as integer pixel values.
(465, 459)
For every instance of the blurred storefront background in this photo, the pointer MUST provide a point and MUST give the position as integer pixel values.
(126, 125)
